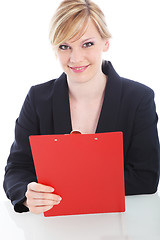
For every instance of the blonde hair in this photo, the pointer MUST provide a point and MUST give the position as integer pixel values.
(71, 20)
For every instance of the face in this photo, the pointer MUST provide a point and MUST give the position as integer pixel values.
(81, 59)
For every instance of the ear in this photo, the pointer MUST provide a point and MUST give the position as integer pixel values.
(106, 46)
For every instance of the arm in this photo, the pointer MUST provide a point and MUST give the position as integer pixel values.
(20, 168)
(20, 177)
(142, 158)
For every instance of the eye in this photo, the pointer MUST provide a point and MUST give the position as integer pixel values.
(64, 47)
(88, 44)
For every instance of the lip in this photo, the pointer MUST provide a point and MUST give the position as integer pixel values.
(79, 69)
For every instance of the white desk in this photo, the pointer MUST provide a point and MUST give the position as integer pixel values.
(141, 221)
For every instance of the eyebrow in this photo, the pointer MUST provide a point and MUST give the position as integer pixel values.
(85, 40)
(92, 38)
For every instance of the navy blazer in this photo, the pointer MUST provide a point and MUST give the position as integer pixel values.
(128, 106)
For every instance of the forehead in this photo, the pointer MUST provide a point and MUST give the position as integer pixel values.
(90, 32)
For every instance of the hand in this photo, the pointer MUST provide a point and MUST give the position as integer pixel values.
(40, 198)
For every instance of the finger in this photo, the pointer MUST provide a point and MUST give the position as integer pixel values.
(37, 187)
(42, 202)
(39, 210)
(39, 195)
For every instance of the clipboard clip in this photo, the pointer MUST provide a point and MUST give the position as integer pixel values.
(75, 132)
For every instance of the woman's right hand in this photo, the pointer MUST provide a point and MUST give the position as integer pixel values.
(40, 198)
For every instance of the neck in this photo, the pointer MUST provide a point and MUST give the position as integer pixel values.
(88, 91)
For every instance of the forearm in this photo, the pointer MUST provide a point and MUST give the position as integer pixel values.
(140, 181)
(15, 184)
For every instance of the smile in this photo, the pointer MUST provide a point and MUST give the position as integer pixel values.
(79, 69)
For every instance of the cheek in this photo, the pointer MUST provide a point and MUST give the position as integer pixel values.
(95, 55)
(94, 58)
(63, 58)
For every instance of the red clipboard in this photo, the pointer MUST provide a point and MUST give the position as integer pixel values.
(86, 170)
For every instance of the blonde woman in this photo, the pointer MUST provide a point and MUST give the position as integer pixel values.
(90, 97)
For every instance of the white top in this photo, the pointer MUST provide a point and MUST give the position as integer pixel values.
(141, 221)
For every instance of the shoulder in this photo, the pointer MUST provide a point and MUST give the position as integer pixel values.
(132, 86)
(40, 94)
(129, 92)
(129, 88)
(45, 91)
(135, 91)
(43, 88)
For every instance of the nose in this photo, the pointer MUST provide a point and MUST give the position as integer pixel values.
(76, 55)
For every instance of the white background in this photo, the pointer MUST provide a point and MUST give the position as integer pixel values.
(26, 57)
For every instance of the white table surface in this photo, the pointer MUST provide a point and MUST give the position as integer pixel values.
(140, 221)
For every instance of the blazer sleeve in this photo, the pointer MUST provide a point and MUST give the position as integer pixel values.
(142, 161)
(20, 168)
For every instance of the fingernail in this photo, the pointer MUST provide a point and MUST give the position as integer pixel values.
(52, 189)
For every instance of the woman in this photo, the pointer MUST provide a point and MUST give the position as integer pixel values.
(90, 97)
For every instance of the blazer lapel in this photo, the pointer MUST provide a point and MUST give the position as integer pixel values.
(61, 109)
(110, 108)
